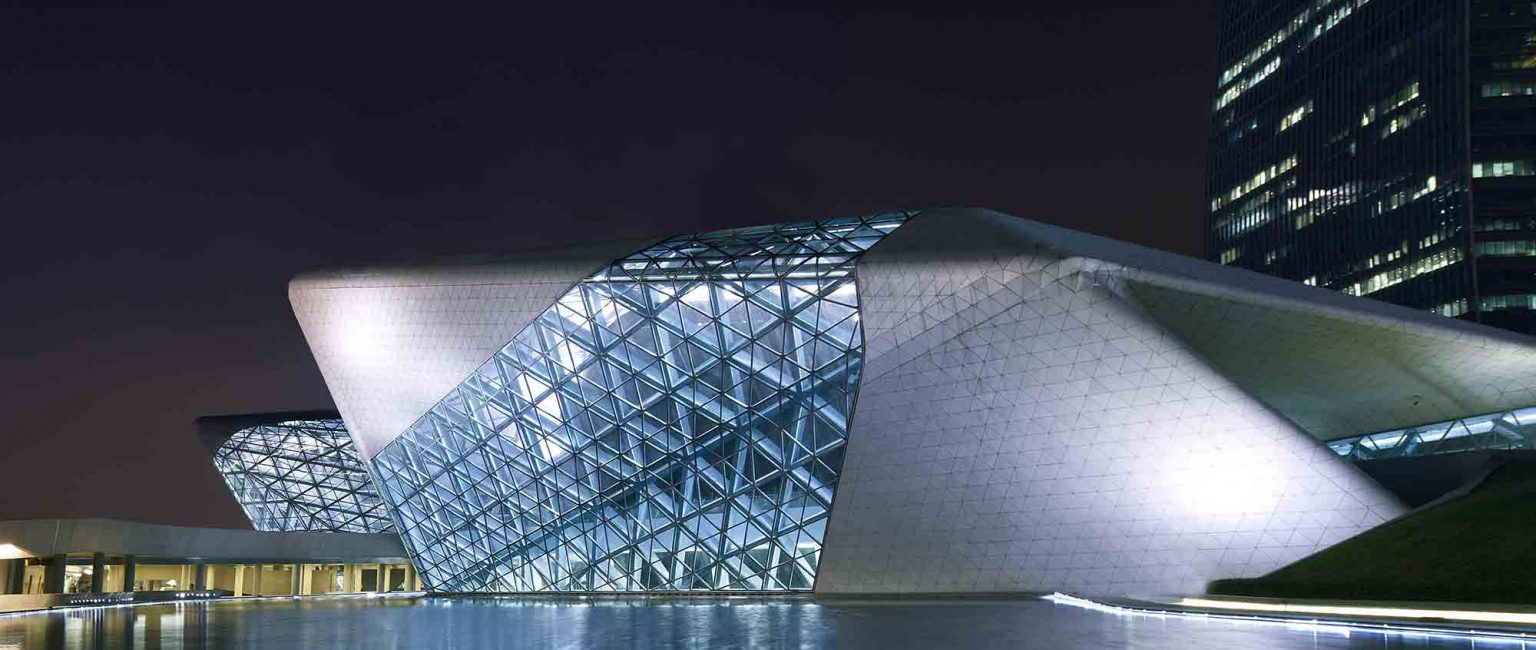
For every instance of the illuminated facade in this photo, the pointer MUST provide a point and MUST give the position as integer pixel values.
(676, 421)
(1380, 149)
(939, 401)
(295, 472)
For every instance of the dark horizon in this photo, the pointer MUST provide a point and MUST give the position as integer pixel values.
(171, 165)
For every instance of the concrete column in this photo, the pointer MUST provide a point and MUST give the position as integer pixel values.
(239, 580)
(200, 576)
(297, 580)
(53, 576)
(98, 572)
(259, 569)
(15, 576)
(129, 563)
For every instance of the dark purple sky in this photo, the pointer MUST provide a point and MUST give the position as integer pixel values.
(165, 168)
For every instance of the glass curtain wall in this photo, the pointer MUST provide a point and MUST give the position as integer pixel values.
(1338, 149)
(301, 475)
(674, 422)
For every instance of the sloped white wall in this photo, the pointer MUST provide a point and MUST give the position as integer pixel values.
(1339, 376)
(1040, 433)
(392, 342)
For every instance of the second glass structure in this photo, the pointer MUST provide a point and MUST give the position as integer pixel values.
(301, 475)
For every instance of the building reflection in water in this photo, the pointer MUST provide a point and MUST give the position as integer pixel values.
(578, 623)
(175, 626)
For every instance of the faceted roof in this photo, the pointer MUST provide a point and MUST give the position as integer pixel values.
(392, 341)
(1336, 365)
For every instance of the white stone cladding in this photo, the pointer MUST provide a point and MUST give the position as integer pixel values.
(391, 342)
(1040, 409)
(1337, 374)
(1037, 431)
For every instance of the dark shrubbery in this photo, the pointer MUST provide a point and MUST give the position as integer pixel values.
(1479, 547)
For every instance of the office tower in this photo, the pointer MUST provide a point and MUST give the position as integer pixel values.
(1381, 148)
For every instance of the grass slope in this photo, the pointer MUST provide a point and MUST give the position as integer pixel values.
(1479, 547)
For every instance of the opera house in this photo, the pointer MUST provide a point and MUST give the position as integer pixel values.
(949, 400)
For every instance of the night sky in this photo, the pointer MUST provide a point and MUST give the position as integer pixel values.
(165, 169)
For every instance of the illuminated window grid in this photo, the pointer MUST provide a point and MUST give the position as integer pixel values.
(301, 475)
(676, 422)
(1507, 430)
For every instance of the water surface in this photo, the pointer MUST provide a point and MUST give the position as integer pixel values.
(463, 623)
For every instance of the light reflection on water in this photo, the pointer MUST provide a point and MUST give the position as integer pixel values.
(466, 623)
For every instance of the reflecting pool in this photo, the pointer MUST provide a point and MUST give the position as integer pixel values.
(433, 622)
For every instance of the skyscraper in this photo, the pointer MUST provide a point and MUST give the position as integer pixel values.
(1383, 148)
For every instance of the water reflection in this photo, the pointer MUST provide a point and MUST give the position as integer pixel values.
(659, 623)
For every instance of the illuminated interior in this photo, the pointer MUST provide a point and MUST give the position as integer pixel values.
(675, 422)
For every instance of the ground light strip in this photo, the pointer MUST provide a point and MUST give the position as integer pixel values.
(1518, 618)
(1344, 628)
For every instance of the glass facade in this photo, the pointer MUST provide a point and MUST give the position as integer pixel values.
(1339, 152)
(1503, 130)
(675, 422)
(1508, 430)
(301, 475)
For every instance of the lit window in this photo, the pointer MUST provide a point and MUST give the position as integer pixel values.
(1501, 303)
(1401, 122)
(1236, 90)
(1509, 88)
(1401, 198)
(1397, 100)
(1392, 277)
(1506, 225)
(1264, 176)
(1451, 309)
(1296, 116)
(1505, 248)
(1496, 169)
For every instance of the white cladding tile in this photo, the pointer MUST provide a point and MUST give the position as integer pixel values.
(1058, 438)
(1039, 409)
(1333, 364)
(392, 342)
(1336, 376)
